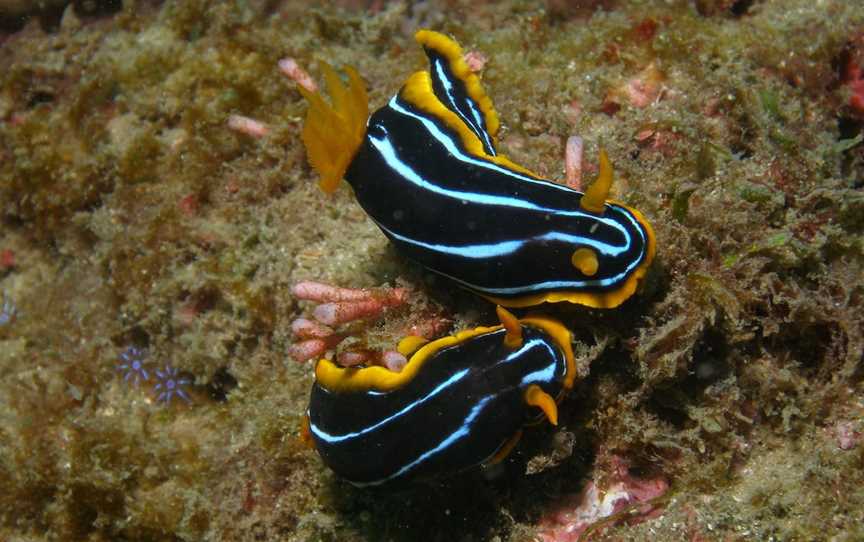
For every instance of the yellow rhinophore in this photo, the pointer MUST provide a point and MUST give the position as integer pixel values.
(535, 396)
(595, 196)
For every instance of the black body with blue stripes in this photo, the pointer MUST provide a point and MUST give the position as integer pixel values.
(501, 233)
(464, 403)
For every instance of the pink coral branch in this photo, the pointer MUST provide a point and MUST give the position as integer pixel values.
(429, 328)
(310, 329)
(309, 290)
(341, 306)
(308, 349)
(847, 436)
(313, 348)
(475, 60)
(352, 358)
(248, 126)
(297, 74)
(573, 162)
(334, 314)
(393, 360)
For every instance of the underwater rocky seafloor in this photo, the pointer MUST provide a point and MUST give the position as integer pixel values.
(136, 224)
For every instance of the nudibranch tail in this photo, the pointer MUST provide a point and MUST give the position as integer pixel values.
(333, 133)
(458, 88)
(504, 450)
(418, 91)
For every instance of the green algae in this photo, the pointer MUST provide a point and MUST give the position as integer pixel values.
(137, 217)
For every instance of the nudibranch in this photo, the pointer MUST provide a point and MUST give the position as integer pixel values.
(461, 400)
(426, 168)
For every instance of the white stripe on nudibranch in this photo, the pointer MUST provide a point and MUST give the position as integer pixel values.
(463, 431)
(332, 439)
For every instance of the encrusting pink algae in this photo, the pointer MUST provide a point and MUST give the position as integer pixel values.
(155, 197)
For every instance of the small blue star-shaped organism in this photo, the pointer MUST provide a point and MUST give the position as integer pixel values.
(170, 384)
(133, 365)
(7, 310)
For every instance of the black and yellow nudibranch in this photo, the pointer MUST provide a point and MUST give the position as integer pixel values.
(460, 401)
(426, 169)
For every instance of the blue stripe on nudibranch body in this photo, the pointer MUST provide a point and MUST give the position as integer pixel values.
(460, 403)
(500, 232)
(427, 171)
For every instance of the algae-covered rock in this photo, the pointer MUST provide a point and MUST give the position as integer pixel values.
(134, 219)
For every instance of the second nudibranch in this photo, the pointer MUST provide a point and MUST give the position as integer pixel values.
(460, 401)
(426, 169)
